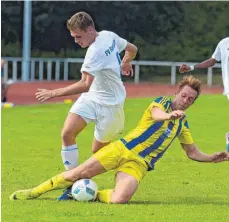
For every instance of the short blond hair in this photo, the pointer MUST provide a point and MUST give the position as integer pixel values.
(80, 20)
(191, 81)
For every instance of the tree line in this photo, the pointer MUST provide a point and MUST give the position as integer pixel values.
(173, 31)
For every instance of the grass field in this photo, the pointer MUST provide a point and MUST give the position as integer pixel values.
(178, 190)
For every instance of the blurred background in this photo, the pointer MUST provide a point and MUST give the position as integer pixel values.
(166, 32)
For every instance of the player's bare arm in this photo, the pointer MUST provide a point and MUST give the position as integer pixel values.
(195, 154)
(205, 64)
(130, 53)
(160, 115)
(2, 63)
(79, 87)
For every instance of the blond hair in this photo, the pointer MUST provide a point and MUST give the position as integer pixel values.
(192, 82)
(80, 20)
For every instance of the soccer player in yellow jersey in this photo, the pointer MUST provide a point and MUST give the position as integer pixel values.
(135, 154)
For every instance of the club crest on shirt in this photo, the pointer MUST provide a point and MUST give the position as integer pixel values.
(166, 134)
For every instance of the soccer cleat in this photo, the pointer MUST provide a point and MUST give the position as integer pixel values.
(22, 195)
(67, 195)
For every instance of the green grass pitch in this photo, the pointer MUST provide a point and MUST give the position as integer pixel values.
(178, 190)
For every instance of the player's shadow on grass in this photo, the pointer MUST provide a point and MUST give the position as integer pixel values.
(185, 201)
(173, 201)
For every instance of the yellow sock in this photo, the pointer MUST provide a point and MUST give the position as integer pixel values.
(104, 195)
(56, 182)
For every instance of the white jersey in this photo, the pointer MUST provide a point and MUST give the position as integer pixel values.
(102, 60)
(222, 54)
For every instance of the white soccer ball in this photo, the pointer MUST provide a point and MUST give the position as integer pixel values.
(84, 190)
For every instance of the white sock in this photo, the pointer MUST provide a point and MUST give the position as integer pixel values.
(70, 156)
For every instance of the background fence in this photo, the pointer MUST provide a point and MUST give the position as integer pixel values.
(49, 69)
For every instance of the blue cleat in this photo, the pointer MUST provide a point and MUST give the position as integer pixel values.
(67, 195)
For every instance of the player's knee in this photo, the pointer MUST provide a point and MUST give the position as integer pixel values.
(119, 199)
(66, 134)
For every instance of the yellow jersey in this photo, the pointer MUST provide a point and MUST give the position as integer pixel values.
(150, 139)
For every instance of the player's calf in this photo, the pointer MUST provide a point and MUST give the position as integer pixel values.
(119, 199)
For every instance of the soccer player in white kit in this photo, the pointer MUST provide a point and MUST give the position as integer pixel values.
(103, 94)
(221, 54)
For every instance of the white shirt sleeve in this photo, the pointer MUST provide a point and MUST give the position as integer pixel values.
(92, 62)
(121, 43)
(217, 54)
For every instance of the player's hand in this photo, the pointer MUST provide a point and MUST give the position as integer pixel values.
(43, 94)
(220, 157)
(176, 114)
(127, 69)
(184, 68)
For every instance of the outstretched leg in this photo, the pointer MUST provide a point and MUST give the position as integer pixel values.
(88, 169)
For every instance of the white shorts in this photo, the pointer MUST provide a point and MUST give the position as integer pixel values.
(109, 120)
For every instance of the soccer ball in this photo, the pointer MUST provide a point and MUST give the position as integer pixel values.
(84, 190)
